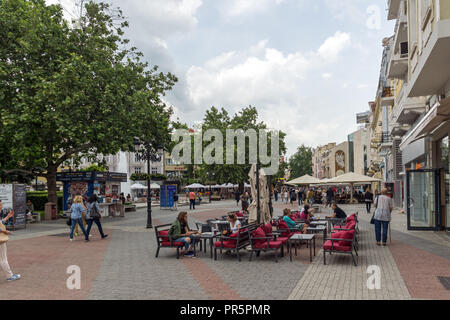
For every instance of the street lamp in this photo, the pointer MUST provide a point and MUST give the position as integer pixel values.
(149, 156)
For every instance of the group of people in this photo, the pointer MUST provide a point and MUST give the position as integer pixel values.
(180, 232)
(84, 213)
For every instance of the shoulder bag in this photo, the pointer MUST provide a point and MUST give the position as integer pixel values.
(372, 221)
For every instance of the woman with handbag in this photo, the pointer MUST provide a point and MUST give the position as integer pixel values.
(76, 211)
(3, 240)
(93, 215)
(382, 216)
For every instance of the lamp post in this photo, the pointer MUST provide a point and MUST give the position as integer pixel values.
(149, 156)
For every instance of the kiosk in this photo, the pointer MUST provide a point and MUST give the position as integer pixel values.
(106, 185)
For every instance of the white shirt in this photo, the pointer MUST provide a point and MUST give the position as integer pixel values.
(236, 226)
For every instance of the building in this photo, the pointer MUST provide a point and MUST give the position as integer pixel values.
(172, 168)
(419, 68)
(321, 164)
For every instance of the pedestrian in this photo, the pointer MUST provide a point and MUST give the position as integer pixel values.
(382, 216)
(275, 193)
(368, 198)
(237, 197)
(128, 198)
(180, 232)
(191, 200)
(175, 201)
(244, 204)
(122, 198)
(330, 196)
(286, 195)
(293, 197)
(93, 215)
(10, 276)
(337, 212)
(300, 196)
(76, 213)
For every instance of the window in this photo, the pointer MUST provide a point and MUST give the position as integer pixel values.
(154, 170)
(137, 170)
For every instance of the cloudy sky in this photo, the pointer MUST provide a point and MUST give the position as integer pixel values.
(308, 65)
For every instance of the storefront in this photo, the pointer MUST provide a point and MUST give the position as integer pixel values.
(426, 161)
(106, 185)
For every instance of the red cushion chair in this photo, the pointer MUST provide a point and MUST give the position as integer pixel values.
(284, 229)
(339, 245)
(273, 244)
(259, 233)
(267, 228)
(230, 244)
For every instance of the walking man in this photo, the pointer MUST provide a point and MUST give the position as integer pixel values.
(3, 240)
(191, 200)
(368, 197)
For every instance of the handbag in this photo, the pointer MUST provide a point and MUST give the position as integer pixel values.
(69, 222)
(372, 220)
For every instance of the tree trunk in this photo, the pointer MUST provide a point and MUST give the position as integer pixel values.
(51, 185)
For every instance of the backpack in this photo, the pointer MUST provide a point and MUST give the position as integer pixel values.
(92, 212)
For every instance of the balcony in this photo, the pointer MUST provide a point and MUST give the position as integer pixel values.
(399, 130)
(386, 141)
(408, 110)
(387, 97)
(428, 71)
(393, 9)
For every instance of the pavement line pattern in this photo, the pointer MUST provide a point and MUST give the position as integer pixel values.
(340, 279)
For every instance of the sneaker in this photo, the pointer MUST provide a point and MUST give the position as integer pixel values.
(378, 244)
(87, 240)
(14, 277)
(189, 255)
(104, 236)
(71, 240)
(384, 244)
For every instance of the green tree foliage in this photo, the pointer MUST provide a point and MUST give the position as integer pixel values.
(68, 91)
(301, 162)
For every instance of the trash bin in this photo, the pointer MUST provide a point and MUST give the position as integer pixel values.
(50, 211)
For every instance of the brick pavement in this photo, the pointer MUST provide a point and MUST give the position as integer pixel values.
(124, 266)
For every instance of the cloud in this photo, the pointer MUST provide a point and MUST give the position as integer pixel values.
(235, 8)
(278, 84)
(327, 75)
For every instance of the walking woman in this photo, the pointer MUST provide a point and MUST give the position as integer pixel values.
(382, 216)
(3, 240)
(93, 215)
(76, 211)
(368, 198)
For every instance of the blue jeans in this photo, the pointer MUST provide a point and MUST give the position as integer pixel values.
(378, 224)
(191, 204)
(186, 243)
(97, 222)
(80, 223)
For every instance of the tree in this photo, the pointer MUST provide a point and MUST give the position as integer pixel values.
(66, 92)
(246, 118)
(301, 162)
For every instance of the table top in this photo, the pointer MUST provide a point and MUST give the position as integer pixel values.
(319, 222)
(208, 235)
(318, 228)
(302, 237)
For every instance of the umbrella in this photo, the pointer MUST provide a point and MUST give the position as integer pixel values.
(304, 180)
(352, 179)
(195, 186)
(265, 215)
(138, 186)
(154, 186)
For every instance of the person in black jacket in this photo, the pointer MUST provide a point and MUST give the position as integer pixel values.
(368, 198)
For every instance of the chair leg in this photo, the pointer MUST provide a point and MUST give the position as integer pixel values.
(276, 256)
(324, 257)
(157, 252)
(239, 256)
(178, 253)
(251, 256)
(215, 253)
(354, 261)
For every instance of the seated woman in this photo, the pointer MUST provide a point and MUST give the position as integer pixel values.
(235, 224)
(180, 232)
(306, 213)
(287, 218)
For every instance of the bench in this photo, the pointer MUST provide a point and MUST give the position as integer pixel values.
(163, 239)
(235, 242)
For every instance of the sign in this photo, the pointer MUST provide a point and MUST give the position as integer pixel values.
(166, 196)
(91, 176)
(340, 161)
(14, 196)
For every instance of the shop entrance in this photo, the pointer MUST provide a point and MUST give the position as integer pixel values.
(423, 199)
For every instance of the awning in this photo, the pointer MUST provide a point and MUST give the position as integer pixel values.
(436, 117)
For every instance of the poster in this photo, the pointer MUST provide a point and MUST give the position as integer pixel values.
(6, 195)
(166, 196)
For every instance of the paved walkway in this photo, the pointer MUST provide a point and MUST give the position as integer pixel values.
(124, 265)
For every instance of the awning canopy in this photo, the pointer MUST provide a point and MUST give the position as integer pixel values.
(304, 180)
(352, 178)
(138, 186)
(435, 118)
(195, 186)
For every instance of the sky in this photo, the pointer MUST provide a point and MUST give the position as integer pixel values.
(308, 66)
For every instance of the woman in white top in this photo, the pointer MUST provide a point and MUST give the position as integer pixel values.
(235, 224)
(382, 215)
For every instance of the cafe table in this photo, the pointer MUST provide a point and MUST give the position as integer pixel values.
(317, 229)
(309, 238)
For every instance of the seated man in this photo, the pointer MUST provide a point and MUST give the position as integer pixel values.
(337, 212)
